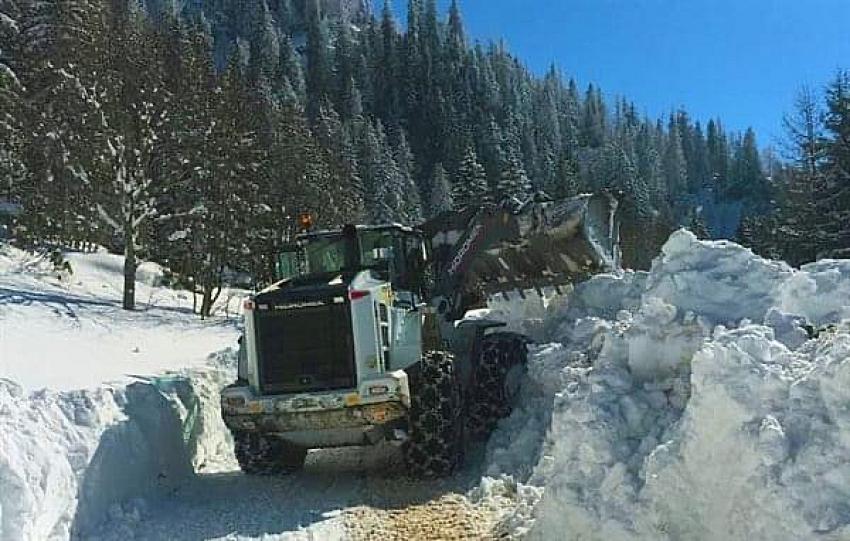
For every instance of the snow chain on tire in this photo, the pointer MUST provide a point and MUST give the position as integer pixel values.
(259, 454)
(491, 397)
(435, 447)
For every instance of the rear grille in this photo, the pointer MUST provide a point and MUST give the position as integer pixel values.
(305, 348)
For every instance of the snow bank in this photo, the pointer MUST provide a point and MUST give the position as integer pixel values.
(690, 403)
(70, 460)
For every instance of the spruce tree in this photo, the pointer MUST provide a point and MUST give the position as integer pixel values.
(469, 186)
(718, 157)
(9, 35)
(441, 198)
(513, 182)
(12, 137)
(593, 119)
(837, 125)
(748, 181)
(673, 164)
(833, 198)
(566, 181)
(318, 64)
(290, 73)
(264, 61)
(410, 211)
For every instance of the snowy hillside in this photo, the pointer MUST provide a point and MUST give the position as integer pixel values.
(67, 331)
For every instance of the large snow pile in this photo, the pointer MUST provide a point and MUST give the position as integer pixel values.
(706, 399)
(70, 460)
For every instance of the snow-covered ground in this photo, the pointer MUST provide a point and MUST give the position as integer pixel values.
(706, 399)
(66, 331)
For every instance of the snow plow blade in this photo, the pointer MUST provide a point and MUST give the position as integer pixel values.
(537, 245)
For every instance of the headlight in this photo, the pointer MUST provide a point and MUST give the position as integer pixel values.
(376, 390)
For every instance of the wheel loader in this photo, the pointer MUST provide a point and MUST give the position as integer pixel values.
(365, 337)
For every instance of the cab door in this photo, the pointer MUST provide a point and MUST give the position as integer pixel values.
(406, 322)
(407, 317)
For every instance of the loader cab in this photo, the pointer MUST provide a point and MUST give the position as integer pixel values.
(393, 253)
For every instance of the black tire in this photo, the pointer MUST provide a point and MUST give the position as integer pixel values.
(260, 454)
(492, 396)
(435, 445)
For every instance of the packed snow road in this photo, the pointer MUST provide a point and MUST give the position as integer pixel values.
(341, 494)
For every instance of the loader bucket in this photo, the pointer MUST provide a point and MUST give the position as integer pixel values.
(540, 244)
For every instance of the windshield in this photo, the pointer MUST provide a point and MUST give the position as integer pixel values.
(325, 256)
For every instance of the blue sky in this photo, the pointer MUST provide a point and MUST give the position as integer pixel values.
(740, 60)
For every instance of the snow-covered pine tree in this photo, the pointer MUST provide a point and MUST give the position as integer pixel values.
(318, 61)
(336, 142)
(386, 99)
(285, 16)
(264, 46)
(375, 174)
(441, 191)
(344, 73)
(699, 175)
(469, 186)
(12, 167)
(593, 118)
(513, 182)
(565, 182)
(290, 73)
(492, 151)
(748, 183)
(9, 35)
(202, 206)
(58, 89)
(673, 164)
(718, 157)
(649, 166)
(833, 198)
(410, 210)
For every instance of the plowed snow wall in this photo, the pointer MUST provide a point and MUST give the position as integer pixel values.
(70, 460)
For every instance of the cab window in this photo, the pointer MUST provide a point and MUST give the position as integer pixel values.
(369, 242)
